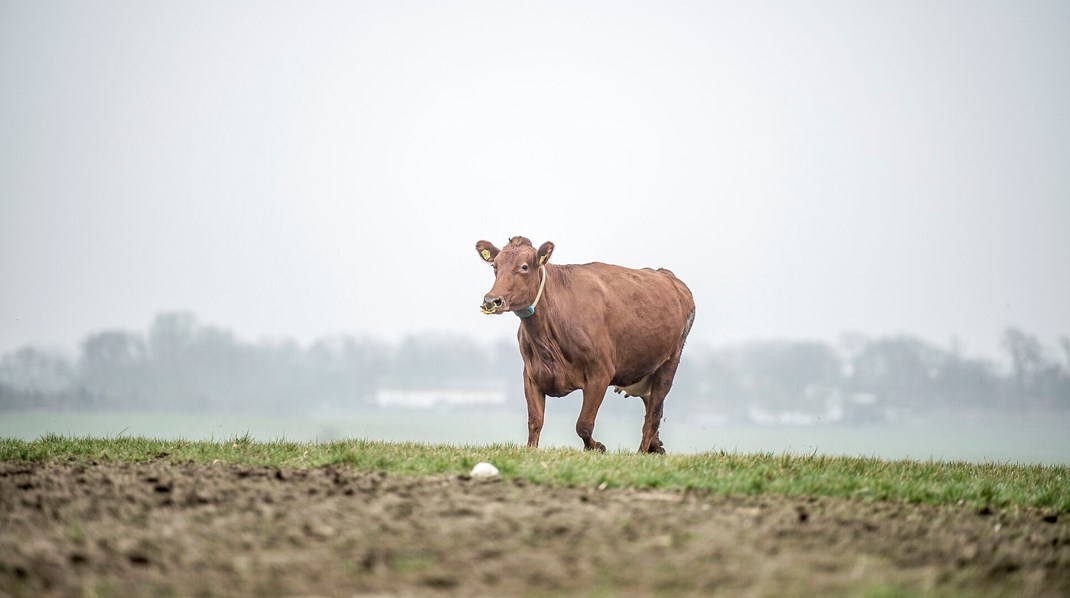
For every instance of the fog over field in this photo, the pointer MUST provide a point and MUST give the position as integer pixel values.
(272, 207)
(895, 396)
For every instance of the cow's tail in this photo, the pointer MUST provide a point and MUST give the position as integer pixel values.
(686, 292)
(688, 323)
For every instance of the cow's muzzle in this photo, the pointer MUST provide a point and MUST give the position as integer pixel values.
(491, 305)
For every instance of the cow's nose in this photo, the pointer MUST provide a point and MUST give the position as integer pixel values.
(491, 304)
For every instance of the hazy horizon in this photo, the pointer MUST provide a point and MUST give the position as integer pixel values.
(298, 171)
(1051, 346)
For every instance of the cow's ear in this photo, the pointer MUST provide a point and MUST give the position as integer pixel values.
(487, 251)
(545, 251)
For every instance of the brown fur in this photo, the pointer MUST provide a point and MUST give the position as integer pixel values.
(596, 325)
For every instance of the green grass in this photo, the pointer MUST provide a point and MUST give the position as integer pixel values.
(931, 482)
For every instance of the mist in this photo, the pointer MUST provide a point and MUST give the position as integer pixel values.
(868, 201)
(183, 377)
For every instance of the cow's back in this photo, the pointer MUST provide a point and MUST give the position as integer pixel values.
(637, 318)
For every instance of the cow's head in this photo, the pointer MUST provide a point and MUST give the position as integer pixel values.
(516, 273)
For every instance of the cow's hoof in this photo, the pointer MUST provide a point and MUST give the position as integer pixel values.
(598, 446)
(656, 447)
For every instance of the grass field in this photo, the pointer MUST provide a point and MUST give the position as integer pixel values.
(1033, 438)
(925, 482)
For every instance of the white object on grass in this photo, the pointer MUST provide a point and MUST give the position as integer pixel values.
(484, 470)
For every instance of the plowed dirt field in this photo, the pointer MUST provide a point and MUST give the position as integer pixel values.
(161, 528)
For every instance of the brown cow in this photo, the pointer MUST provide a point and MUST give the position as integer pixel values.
(595, 325)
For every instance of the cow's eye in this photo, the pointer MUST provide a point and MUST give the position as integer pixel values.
(523, 267)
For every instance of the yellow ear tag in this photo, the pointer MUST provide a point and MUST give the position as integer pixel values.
(542, 260)
(486, 255)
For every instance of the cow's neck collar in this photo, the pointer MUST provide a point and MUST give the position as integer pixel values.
(529, 311)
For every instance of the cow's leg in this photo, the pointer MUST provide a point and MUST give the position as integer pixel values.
(651, 443)
(593, 393)
(660, 383)
(536, 408)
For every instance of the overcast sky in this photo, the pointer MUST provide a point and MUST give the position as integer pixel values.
(311, 168)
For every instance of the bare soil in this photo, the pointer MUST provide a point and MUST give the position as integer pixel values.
(187, 529)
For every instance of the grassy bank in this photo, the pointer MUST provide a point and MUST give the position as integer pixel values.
(996, 485)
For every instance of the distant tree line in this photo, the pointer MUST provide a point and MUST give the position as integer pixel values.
(184, 365)
(868, 378)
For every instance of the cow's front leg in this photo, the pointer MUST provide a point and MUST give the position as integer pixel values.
(592, 400)
(536, 408)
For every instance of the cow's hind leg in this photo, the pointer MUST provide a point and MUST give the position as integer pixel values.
(660, 383)
(651, 443)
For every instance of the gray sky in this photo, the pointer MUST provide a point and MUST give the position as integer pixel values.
(308, 168)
